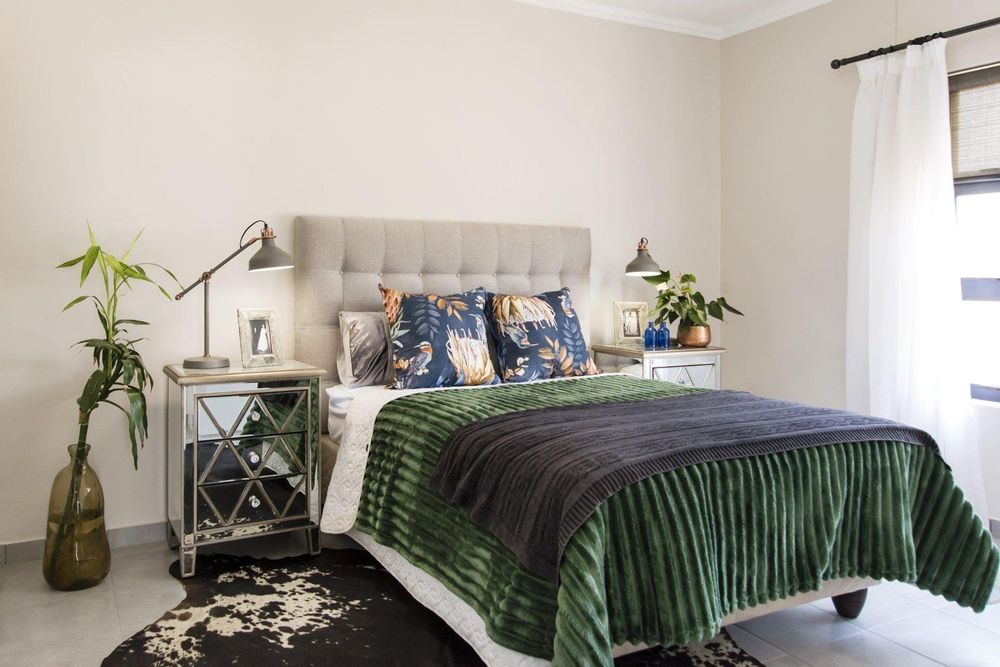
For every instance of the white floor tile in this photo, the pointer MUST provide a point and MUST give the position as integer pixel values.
(800, 628)
(881, 607)
(989, 618)
(65, 620)
(753, 644)
(138, 549)
(785, 661)
(24, 585)
(86, 651)
(144, 589)
(864, 650)
(911, 592)
(134, 614)
(947, 639)
(139, 569)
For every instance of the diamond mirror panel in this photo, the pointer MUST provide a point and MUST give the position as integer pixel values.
(246, 458)
(257, 414)
(220, 462)
(284, 455)
(216, 504)
(235, 503)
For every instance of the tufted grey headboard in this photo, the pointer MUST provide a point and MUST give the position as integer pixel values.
(339, 263)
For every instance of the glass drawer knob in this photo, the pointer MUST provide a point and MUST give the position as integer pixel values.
(254, 502)
(255, 416)
(254, 458)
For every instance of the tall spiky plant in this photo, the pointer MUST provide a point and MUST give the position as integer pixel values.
(120, 370)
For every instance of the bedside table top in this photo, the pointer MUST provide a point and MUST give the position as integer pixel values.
(639, 352)
(289, 370)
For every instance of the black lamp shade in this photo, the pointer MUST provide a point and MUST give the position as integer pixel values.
(270, 257)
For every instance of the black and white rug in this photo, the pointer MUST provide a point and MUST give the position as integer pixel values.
(338, 608)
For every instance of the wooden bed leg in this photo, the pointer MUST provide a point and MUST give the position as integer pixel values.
(849, 605)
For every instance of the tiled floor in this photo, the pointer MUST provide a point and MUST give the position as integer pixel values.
(900, 625)
(39, 626)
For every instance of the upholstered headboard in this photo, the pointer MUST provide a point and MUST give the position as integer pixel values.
(339, 263)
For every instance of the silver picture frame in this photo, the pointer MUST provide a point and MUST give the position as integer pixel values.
(260, 338)
(629, 320)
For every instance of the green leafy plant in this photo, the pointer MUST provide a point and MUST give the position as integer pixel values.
(120, 372)
(678, 300)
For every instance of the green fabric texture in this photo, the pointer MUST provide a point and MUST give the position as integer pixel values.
(664, 560)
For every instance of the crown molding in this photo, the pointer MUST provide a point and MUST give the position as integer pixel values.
(606, 12)
(599, 10)
(782, 11)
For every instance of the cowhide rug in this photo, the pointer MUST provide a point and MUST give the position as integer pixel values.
(338, 608)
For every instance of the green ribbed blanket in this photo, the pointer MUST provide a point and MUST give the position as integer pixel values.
(666, 559)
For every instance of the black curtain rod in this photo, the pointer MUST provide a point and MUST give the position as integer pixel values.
(840, 62)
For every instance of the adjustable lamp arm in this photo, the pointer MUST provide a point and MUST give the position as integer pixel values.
(269, 256)
(267, 232)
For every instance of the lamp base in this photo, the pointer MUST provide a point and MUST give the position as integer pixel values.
(206, 361)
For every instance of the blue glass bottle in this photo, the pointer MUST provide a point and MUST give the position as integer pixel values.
(662, 337)
(649, 337)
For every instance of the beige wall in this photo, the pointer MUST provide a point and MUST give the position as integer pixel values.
(786, 123)
(191, 119)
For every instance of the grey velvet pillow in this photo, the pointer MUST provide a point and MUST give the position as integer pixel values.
(365, 356)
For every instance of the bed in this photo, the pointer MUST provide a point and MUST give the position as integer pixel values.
(601, 604)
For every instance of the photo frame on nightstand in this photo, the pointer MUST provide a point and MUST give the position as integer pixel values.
(629, 318)
(260, 342)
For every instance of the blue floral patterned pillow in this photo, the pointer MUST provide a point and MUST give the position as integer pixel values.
(438, 341)
(539, 337)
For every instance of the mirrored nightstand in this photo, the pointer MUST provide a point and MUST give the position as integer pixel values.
(689, 366)
(242, 455)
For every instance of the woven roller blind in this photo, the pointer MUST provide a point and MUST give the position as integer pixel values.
(975, 122)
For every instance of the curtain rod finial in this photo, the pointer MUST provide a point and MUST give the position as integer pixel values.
(835, 63)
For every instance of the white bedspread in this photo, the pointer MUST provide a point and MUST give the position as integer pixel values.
(344, 492)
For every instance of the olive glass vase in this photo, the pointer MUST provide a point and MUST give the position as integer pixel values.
(77, 554)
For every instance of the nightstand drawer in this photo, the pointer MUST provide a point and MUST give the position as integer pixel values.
(266, 411)
(239, 503)
(251, 457)
(693, 375)
(686, 360)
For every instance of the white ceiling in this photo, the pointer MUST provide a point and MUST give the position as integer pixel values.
(716, 19)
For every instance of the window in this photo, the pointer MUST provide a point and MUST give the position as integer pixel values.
(975, 122)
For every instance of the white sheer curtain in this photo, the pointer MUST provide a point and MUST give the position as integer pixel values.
(903, 289)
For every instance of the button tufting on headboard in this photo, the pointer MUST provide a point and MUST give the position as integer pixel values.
(339, 263)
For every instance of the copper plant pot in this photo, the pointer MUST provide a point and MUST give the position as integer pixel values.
(694, 335)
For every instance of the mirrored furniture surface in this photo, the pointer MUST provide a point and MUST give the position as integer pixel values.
(242, 454)
(689, 366)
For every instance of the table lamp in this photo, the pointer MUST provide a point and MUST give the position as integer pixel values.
(268, 258)
(643, 264)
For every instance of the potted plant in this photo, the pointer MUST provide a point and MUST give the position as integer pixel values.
(678, 300)
(76, 544)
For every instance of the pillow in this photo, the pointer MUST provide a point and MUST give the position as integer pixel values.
(438, 341)
(539, 337)
(365, 355)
